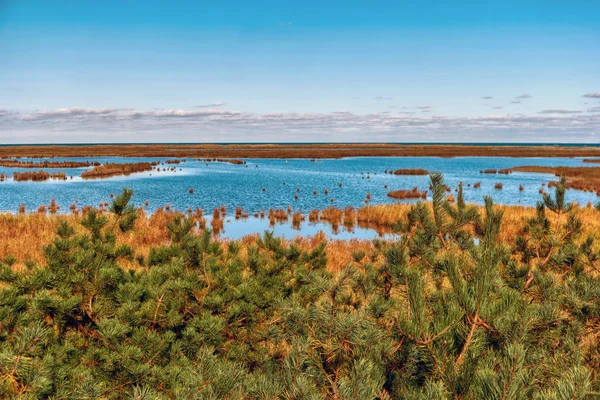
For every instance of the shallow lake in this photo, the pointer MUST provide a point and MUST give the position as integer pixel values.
(219, 183)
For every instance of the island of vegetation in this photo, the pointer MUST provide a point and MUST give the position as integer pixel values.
(113, 169)
(38, 176)
(411, 171)
(466, 304)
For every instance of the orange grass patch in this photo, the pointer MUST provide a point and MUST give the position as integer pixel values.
(112, 169)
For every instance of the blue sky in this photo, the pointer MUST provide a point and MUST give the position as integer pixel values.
(107, 71)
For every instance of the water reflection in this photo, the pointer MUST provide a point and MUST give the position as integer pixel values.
(234, 228)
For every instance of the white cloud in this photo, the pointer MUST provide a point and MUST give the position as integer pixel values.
(211, 125)
(524, 96)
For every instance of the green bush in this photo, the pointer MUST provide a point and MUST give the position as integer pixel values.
(450, 312)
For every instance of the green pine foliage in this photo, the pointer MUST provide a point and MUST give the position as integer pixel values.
(447, 312)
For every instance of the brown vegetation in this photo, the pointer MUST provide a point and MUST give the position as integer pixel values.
(225, 160)
(37, 229)
(580, 178)
(277, 215)
(38, 176)
(12, 163)
(333, 215)
(111, 169)
(408, 171)
(310, 151)
(414, 193)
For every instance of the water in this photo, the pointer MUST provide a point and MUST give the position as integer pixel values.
(231, 185)
(237, 229)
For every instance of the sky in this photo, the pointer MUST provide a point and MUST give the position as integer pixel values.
(107, 71)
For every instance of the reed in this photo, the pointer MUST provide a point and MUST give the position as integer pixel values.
(333, 215)
(224, 160)
(216, 225)
(240, 213)
(349, 216)
(308, 151)
(31, 176)
(278, 214)
(11, 163)
(409, 171)
(53, 207)
(297, 220)
(313, 215)
(579, 178)
(112, 169)
(414, 193)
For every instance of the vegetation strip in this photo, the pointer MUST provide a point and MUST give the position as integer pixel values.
(310, 151)
(47, 164)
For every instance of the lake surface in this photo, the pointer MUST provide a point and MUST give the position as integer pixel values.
(219, 183)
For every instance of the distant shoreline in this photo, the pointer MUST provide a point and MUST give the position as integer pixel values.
(300, 150)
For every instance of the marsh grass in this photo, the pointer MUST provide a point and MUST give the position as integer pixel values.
(414, 193)
(47, 164)
(408, 171)
(112, 169)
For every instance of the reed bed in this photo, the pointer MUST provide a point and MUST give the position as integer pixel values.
(24, 235)
(579, 178)
(112, 169)
(402, 194)
(349, 216)
(277, 215)
(333, 215)
(224, 160)
(309, 151)
(408, 171)
(11, 163)
(38, 176)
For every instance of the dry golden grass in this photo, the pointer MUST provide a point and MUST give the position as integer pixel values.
(386, 215)
(25, 235)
